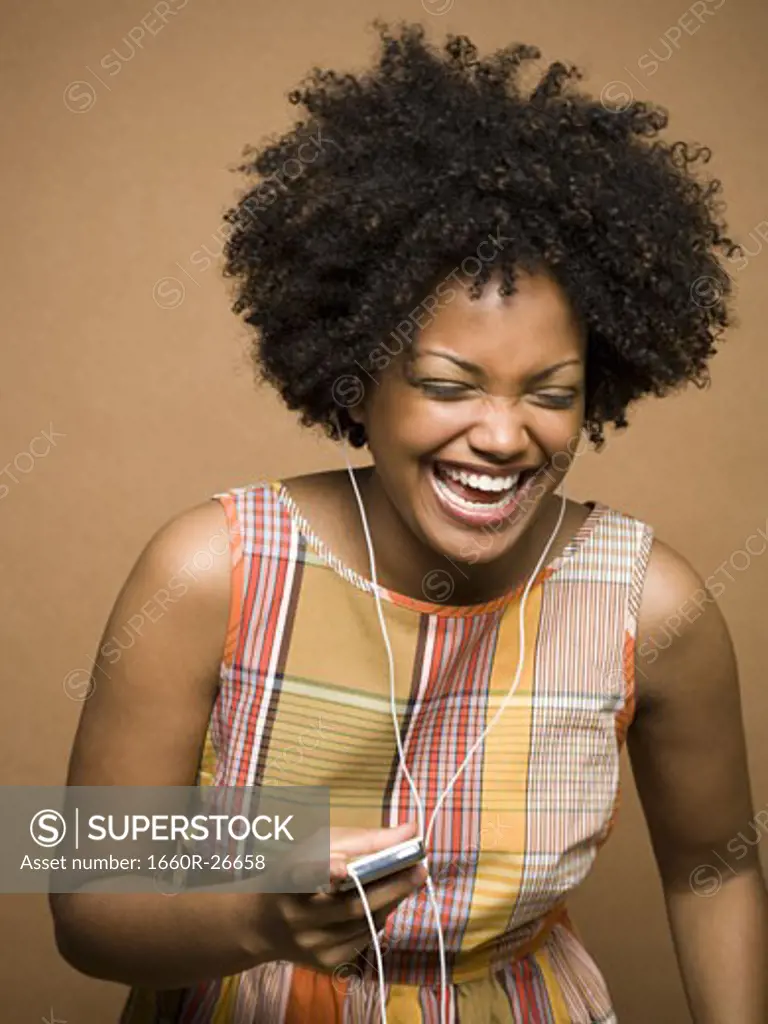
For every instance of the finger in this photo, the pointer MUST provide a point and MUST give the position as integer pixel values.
(383, 895)
(335, 958)
(395, 887)
(332, 894)
(349, 843)
(355, 842)
(359, 925)
(351, 932)
(337, 871)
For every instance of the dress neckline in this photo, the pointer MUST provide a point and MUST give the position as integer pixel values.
(597, 510)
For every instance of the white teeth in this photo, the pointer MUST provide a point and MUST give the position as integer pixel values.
(468, 506)
(481, 482)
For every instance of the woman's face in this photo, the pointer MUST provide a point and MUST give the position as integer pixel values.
(494, 386)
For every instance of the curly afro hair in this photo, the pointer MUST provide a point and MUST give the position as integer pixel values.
(413, 164)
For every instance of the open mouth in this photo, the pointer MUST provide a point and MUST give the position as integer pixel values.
(479, 498)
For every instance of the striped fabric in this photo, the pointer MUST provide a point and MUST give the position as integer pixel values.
(304, 700)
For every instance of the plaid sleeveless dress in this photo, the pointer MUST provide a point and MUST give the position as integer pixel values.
(304, 700)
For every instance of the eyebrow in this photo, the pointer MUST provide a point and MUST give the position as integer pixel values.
(474, 368)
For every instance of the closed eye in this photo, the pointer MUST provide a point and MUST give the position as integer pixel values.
(559, 401)
(442, 390)
(452, 389)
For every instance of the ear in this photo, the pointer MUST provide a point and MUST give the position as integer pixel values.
(356, 413)
(358, 436)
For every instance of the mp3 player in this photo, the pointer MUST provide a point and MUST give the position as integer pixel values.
(384, 862)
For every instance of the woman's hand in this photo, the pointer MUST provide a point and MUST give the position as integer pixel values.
(327, 929)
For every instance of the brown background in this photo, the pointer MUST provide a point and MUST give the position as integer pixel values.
(112, 184)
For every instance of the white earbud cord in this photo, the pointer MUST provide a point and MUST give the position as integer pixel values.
(401, 754)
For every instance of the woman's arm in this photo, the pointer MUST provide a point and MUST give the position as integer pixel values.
(144, 725)
(688, 755)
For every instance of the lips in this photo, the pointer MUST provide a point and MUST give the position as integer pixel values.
(469, 510)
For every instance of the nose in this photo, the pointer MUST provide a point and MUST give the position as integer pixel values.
(501, 433)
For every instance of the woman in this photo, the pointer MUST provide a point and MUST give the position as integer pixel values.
(466, 278)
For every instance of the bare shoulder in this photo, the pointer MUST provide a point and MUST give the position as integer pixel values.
(670, 580)
(679, 621)
(156, 671)
(196, 542)
(189, 554)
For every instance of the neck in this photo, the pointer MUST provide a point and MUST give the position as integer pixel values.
(409, 566)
